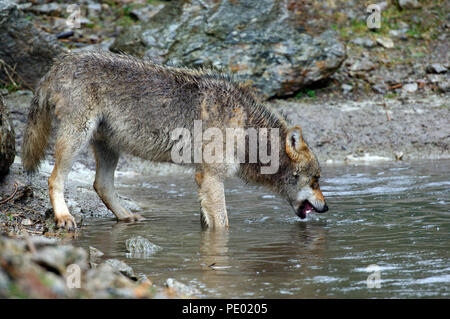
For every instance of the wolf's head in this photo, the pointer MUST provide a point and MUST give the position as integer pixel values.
(300, 176)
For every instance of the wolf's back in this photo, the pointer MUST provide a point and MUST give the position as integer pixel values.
(37, 131)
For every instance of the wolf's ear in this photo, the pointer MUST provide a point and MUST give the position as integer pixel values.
(295, 145)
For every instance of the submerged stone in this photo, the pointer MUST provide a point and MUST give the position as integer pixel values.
(140, 247)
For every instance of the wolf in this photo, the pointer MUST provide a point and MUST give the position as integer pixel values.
(120, 104)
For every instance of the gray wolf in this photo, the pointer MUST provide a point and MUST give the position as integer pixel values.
(120, 104)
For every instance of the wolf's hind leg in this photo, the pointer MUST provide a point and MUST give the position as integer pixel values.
(106, 160)
(211, 194)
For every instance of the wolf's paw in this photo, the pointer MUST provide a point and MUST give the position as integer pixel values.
(132, 218)
(66, 222)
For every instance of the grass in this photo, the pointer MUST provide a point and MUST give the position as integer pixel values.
(306, 92)
(390, 18)
(391, 95)
(11, 87)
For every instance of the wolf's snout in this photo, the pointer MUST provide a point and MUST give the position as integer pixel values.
(323, 210)
(306, 208)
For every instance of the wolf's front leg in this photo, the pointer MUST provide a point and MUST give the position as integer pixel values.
(212, 200)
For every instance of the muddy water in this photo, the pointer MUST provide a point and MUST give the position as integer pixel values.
(395, 216)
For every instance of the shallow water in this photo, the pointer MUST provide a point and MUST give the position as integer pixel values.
(392, 215)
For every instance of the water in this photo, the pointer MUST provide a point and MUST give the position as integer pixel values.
(392, 215)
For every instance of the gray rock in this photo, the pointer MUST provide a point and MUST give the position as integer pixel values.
(444, 86)
(182, 289)
(255, 41)
(94, 9)
(58, 258)
(409, 4)
(383, 5)
(51, 8)
(140, 247)
(7, 140)
(362, 65)
(436, 68)
(29, 50)
(385, 42)
(346, 88)
(144, 14)
(121, 267)
(403, 25)
(379, 88)
(410, 88)
(94, 256)
(365, 42)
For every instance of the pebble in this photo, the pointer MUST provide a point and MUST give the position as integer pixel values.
(346, 88)
(436, 68)
(140, 247)
(180, 288)
(121, 267)
(409, 4)
(365, 42)
(410, 88)
(385, 42)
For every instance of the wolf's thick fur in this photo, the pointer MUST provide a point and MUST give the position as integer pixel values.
(120, 104)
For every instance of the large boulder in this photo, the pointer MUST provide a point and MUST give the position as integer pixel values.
(256, 41)
(25, 52)
(7, 140)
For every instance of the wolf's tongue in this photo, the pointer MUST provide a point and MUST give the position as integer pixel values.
(307, 208)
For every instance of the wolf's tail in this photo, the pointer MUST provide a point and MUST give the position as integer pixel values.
(37, 132)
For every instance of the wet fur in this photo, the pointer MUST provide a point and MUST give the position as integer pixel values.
(121, 104)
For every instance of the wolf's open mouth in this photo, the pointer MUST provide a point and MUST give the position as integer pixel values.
(304, 209)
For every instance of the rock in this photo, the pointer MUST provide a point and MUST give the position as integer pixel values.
(255, 41)
(362, 65)
(398, 156)
(45, 273)
(396, 33)
(409, 4)
(51, 8)
(7, 140)
(436, 68)
(144, 14)
(26, 222)
(181, 289)
(410, 88)
(94, 9)
(346, 88)
(58, 258)
(94, 256)
(121, 267)
(140, 247)
(403, 25)
(379, 88)
(444, 86)
(383, 5)
(385, 42)
(365, 42)
(94, 252)
(23, 47)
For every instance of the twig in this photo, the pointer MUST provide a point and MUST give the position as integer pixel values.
(13, 70)
(386, 110)
(11, 196)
